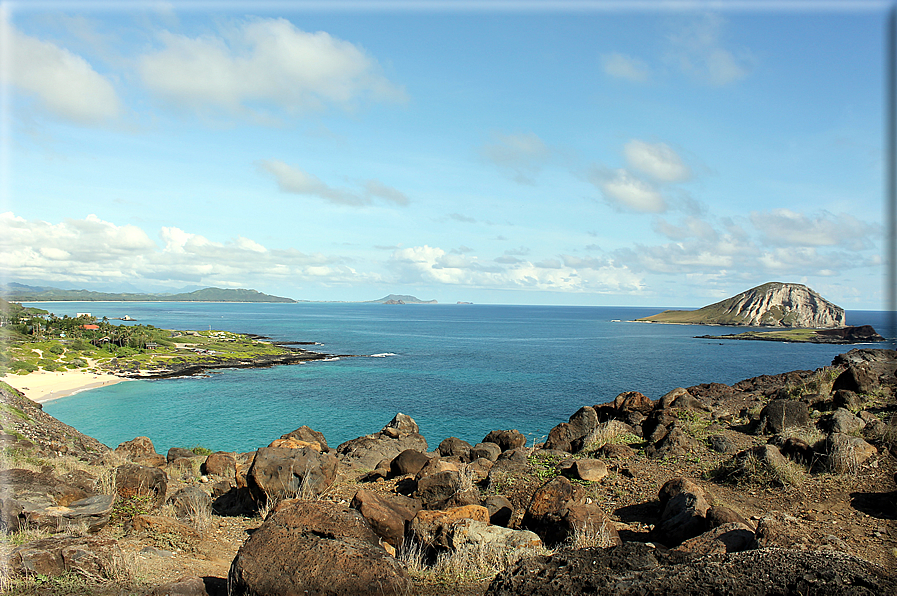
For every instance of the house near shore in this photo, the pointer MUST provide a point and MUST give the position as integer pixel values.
(91, 327)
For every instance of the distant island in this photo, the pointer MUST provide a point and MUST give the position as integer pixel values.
(15, 292)
(773, 304)
(402, 299)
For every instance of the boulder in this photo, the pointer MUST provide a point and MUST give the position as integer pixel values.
(781, 414)
(616, 451)
(638, 568)
(190, 502)
(718, 516)
(489, 451)
(856, 378)
(731, 537)
(91, 558)
(304, 433)
(657, 424)
(368, 451)
(436, 465)
(581, 423)
(220, 463)
(453, 446)
(445, 489)
(590, 470)
(466, 533)
(633, 401)
(386, 514)
(586, 525)
(174, 531)
(39, 489)
(674, 444)
(845, 453)
(293, 443)
(290, 472)
(722, 444)
(137, 448)
(93, 512)
(408, 462)
(176, 453)
(506, 439)
(428, 527)
(684, 512)
(500, 510)
(315, 548)
(132, 480)
(841, 421)
(847, 399)
(547, 508)
(666, 402)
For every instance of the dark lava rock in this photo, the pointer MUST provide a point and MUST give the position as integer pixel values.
(304, 433)
(408, 462)
(453, 446)
(282, 472)
(638, 569)
(506, 439)
(386, 514)
(319, 547)
(781, 414)
(134, 480)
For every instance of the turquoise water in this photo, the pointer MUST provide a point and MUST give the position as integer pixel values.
(459, 370)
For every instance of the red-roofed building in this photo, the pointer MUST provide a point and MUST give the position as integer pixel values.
(91, 327)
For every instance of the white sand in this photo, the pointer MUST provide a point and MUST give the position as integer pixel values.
(44, 386)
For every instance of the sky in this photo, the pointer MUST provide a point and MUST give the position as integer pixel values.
(577, 153)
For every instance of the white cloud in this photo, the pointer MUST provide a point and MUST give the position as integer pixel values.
(657, 160)
(62, 83)
(625, 67)
(425, 264)
(783, 227)
(624, 191)
(698, 51)
(297, 181)
(92, 250)
(262, 63)
(521, 154)
(692, 227)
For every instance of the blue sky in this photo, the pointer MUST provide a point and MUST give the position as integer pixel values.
(576, 153)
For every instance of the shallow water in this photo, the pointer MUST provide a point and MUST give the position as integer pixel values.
(459, 370)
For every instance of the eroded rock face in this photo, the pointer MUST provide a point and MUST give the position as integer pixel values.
(386, 514)
(135, 480)
(636, 568)
(315, 548)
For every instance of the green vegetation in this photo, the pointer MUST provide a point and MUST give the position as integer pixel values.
(33, 339)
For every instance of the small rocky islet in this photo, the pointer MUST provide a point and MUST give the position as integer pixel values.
(778, 484)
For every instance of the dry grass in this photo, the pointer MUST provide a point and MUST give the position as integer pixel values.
(751, 470)
(470, 563)
(590, 535)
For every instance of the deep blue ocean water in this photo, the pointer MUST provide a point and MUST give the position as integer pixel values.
(458, 370)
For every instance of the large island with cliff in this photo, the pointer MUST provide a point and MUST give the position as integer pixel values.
(772, 304)
(779, 484)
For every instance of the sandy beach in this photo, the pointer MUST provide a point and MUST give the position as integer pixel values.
(44, 386)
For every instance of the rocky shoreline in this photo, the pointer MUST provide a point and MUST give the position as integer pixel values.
(777, 484)
(862, 334)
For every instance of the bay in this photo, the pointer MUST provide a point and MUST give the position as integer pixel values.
(458, 370)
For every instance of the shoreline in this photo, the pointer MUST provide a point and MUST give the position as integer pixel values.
(43, 386)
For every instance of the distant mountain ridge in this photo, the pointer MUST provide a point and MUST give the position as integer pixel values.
(16, 292)
(773, 304)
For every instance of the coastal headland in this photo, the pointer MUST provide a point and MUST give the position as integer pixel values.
(780, 483)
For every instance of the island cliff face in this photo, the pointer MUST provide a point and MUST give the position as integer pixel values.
(773, 304)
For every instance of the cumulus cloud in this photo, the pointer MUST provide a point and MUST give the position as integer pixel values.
(520, 154)
(623, 191)
(697, 49)
(92, 250)
(626, 67)
(297, 181)
(773, 244)
(262, 63)
(783, 227)
(433, 265)
(62, 83)
(657, 160)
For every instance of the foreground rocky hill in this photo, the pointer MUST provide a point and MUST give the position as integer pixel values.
(772, 304)
(778, 484)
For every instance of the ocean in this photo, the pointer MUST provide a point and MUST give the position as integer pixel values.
(458, 370)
